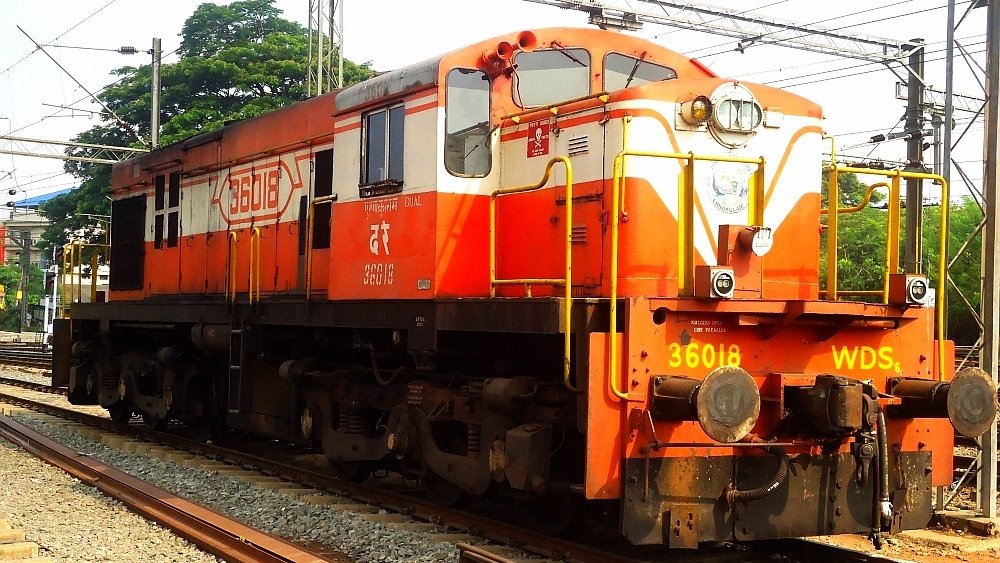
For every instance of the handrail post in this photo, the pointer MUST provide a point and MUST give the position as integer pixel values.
(616, 181)
(79, 267)
(231, 274)
(493, 244)
(940, 299)
(568, 280)
(568, 315)
(891, 236)
(685, 227)
(310, 227)
(253, 283)
(93, 277)
(309, 248)
(64, 294)
(833, 202)
(756, 203)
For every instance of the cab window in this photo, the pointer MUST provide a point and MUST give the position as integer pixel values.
(382, 143)
(622, 71)
(549, 76)
(467, 123)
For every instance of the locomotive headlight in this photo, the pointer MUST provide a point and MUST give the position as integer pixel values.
(723, 283)
(909, 289)
(714, 282)
(737, 115)
(696, 111)
(916, 290)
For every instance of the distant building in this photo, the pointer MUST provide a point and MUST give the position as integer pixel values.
(25, 218)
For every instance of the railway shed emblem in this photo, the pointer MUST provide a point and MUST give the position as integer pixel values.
(728, 185)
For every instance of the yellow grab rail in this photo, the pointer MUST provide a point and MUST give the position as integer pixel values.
(891, 238)
(253, 285)
(231, 277)
(310, 220)
(892, 250)
(567, 282)
(554, 108)
(685, 225)
(72, 272)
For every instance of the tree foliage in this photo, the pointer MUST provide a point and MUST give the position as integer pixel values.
(10, 278)
(236, 61)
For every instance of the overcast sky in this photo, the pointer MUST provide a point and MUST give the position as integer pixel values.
(395, 33)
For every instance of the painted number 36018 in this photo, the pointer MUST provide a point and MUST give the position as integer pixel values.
(695, 355)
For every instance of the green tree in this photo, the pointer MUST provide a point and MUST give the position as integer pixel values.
(861, 236)
(10, 278)
(964, 218)
(236, 61)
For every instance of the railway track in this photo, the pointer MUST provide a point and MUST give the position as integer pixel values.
(25, 356)
(514, 543)
(213, 532)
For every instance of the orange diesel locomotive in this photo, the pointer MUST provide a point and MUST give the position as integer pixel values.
(559, 265)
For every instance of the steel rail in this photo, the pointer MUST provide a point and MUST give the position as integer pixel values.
(207, 529)
(39, 387)
(40, 360)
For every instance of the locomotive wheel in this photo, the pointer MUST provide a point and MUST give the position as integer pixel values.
(551, 515)
(120, 412)
(201, 428)
(442, 492)
(351, 471)
(207, 420)
(153, 422)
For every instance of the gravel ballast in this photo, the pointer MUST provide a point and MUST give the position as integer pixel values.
(75, 522)
(267, 510)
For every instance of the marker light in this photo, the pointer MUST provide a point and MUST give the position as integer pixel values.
(909, 289)
(696, 111)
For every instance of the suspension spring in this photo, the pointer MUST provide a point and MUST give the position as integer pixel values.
(357, 423)
(475, 440)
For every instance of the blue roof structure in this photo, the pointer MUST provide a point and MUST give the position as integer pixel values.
(34, 202)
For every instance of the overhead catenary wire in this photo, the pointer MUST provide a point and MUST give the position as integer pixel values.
(57, 37)
(120, 121)
(826, 20)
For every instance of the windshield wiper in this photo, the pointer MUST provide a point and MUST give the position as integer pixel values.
(635, 67)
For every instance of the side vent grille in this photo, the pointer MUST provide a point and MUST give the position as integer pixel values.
(579, 145)
(579, 234)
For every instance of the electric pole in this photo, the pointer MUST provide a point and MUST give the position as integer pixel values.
(154, 124)
(990, 354)
(22, 288)
(914, 156)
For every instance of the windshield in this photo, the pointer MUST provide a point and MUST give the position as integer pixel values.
(549, 76)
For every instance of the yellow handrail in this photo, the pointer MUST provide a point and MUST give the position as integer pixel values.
(527, 282)
(685, 225)
(253, 285)
(891, 237)
(71, 284)
(894, 196)
(310, 220)
(231, 277)
(554, 108)
(864, 201)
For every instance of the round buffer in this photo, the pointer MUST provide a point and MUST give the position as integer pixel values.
(972, 402)
(728, 404)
